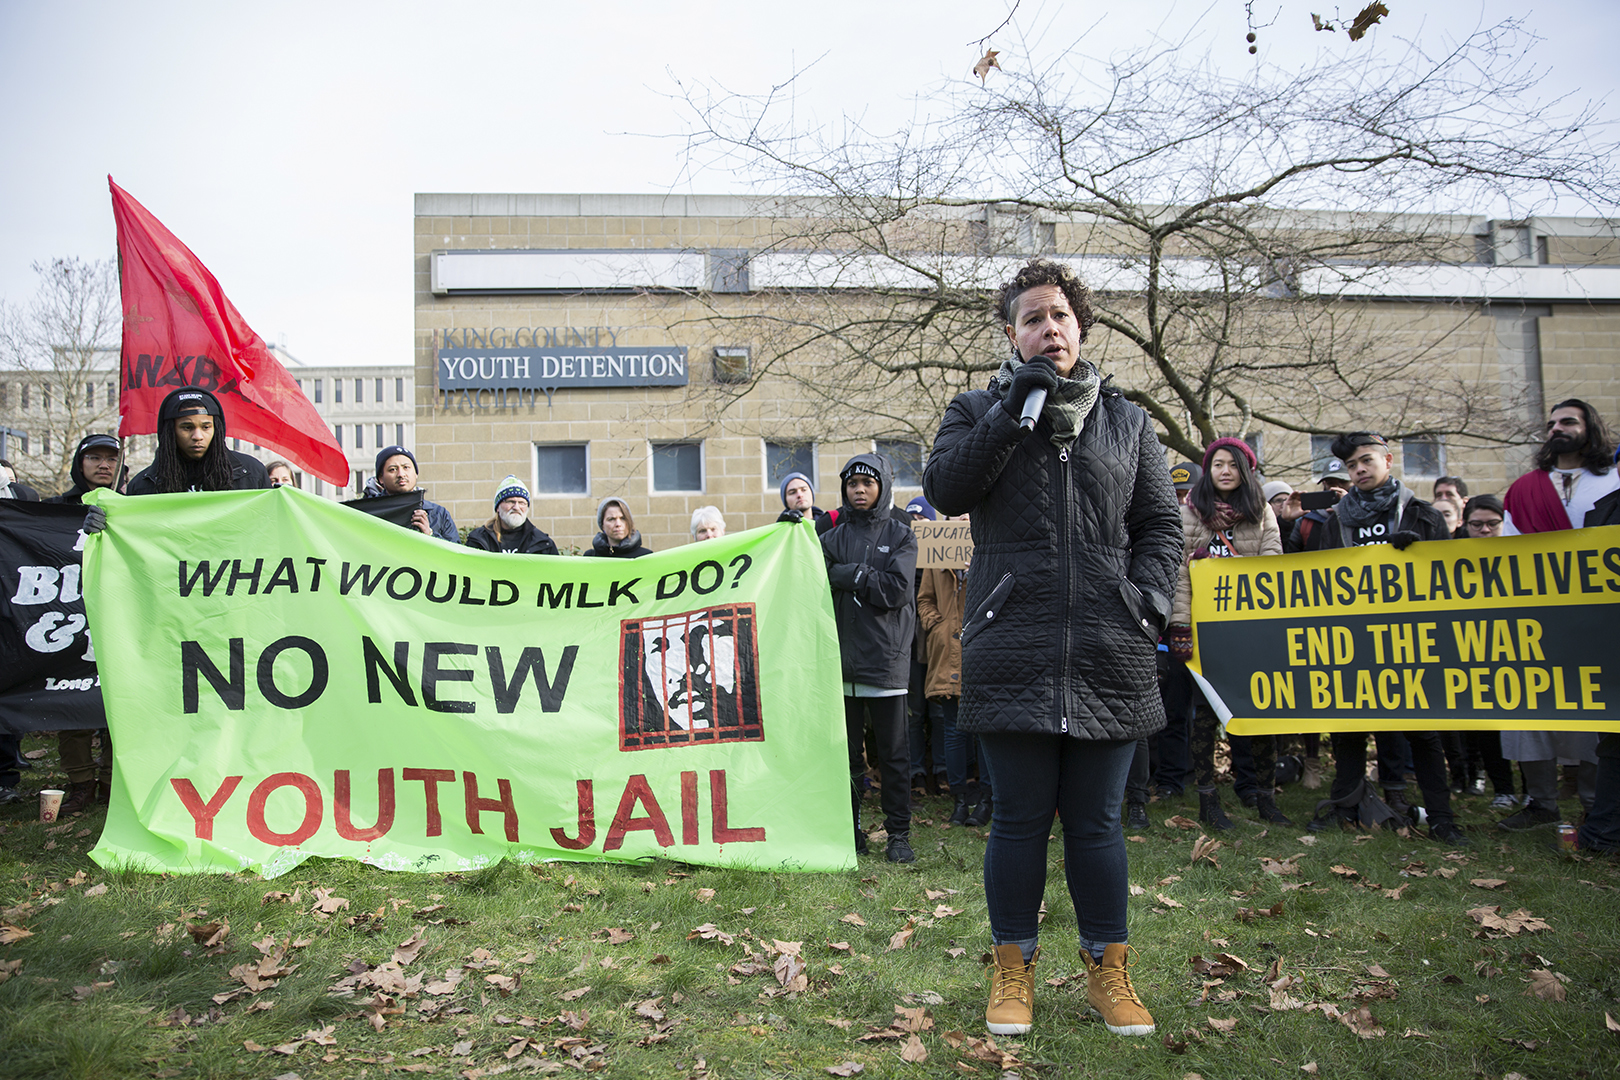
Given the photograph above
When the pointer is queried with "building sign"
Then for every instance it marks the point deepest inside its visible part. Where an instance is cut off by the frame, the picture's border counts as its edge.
(552, 359)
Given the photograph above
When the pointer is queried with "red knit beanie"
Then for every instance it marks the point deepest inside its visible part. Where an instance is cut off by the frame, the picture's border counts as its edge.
(1235, 445)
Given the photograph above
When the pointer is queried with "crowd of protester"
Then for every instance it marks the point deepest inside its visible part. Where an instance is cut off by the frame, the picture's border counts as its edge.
(1057, 661)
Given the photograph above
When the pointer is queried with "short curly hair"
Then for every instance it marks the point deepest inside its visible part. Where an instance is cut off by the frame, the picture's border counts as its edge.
(1040, 272)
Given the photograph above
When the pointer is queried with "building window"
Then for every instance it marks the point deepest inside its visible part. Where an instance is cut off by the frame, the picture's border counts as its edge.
(90, 395)
(561, 469)
(337, 429)
(905, 459)
(337, 391)
(1322, 459)
(1422, 459)
(320, 486)
(112, 394)
(399, 389)
(359, 391)
(784, 458)
(399, 434)
(46, 439)
(236, 444)
(359, 482)
(360, 437)
(318, 383)
(379, 431)
(25, 389)
(677, 466)
(379, 391)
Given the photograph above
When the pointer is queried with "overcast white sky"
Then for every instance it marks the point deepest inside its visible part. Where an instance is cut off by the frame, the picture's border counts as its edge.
(283, 142)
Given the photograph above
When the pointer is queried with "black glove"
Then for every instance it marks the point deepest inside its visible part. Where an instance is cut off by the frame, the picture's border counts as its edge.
(847, 575)
(792, 517)
(1404, 539)
(1037, 373)
(95, 520)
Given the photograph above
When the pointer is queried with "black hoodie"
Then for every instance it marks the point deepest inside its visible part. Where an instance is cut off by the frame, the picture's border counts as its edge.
(81, 484)
(871, 560)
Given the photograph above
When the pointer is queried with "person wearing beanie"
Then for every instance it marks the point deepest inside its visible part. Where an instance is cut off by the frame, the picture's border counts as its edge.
(1225, 516)
(1379, 509)
(799, 502)
(510, 530)
(871, 566)
(191, 451)
(617, 536)
(397, 475)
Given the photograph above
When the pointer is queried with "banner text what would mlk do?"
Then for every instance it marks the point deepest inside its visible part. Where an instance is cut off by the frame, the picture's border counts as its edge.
(285, 677)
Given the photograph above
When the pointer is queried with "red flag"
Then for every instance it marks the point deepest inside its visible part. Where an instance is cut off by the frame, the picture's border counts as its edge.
(180, 329)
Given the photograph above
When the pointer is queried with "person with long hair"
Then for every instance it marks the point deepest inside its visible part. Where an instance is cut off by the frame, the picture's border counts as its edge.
(617, 536)
(1225, 516)
(191, 451)
(1076, 543)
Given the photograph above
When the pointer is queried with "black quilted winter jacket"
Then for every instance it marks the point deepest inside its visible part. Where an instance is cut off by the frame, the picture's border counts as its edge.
(871, 561)
(1074, 563)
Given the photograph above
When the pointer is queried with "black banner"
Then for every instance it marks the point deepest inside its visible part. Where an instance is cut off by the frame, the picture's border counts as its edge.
(393, 508)
(48, 680)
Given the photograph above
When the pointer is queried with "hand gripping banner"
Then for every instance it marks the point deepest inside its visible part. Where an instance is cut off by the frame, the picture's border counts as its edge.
(1515, 633)
(285, 677)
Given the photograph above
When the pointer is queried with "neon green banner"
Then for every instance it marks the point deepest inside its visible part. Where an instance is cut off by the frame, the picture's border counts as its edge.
(1515, 633)
(285, 677)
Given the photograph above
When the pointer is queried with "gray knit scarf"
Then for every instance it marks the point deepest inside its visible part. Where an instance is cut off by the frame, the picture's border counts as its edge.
(1362, 508)
(1068, 407)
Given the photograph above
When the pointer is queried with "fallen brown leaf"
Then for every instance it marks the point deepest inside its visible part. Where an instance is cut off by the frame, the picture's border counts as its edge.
(1487, 882)
(853, 919)
(1179, 822)
(848, 1068)
(913, 1052)
(1546, 985)
(902, 937)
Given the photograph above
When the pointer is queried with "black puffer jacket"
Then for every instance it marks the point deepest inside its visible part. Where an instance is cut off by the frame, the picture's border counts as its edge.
(1074, 564)
(526, 539)
(871, 560)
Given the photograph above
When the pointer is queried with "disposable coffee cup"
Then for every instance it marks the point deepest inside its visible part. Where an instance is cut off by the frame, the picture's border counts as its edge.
(50, 804)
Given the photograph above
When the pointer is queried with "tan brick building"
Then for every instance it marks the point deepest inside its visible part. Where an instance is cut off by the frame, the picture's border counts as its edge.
(633, 289)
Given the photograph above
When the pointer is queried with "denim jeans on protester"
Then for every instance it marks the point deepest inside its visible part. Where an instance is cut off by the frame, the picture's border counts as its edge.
(961, 749)
(1172, 767)
(1037, 776)
(923, 732)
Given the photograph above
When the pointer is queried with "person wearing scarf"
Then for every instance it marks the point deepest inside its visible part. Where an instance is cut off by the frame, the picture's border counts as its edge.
(1379, 509)
(1225, 516)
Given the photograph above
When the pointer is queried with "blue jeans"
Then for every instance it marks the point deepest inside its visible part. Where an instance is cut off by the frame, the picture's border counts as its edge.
(923, 730)
(961, 749)
(1039, 776)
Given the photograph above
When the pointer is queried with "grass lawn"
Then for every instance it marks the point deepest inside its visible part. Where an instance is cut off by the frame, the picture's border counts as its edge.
(1255, 962)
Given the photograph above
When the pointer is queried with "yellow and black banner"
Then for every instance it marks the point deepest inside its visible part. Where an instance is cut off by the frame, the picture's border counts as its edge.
(1514, 633)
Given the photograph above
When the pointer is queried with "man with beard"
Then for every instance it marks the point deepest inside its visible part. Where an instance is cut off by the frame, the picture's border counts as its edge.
(191, 451)
(397, 475)
(1574, 470)
(510, 530)
(1379, 509)
(95, 465)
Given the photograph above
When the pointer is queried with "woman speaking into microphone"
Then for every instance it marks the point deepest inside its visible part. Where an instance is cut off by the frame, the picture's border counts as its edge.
(1077, 541)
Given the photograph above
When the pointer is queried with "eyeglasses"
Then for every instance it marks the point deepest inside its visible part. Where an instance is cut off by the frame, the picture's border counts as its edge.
(1485, 526)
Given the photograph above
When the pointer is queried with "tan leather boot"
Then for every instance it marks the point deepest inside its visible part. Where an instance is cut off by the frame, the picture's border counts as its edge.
(1110, 994)
(1012, 992)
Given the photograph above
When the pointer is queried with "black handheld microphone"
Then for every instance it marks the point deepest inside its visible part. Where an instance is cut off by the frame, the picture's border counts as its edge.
(1034, 402)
